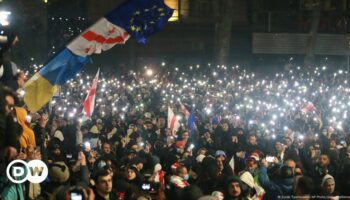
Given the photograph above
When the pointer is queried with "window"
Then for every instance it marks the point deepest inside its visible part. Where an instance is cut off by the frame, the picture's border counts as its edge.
(178, 5)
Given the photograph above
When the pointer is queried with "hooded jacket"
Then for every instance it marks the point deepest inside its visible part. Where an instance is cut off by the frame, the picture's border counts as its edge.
(275, 189)
(28, 137)
(248, 179)
(11, 191)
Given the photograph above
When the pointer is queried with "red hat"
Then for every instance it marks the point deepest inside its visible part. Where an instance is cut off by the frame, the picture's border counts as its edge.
(175, 165)
(180, 144)
(257, 152)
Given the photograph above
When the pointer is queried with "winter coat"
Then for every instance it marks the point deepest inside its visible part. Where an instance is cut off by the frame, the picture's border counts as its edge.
(275, 189)
(28, 137)
(11, 191)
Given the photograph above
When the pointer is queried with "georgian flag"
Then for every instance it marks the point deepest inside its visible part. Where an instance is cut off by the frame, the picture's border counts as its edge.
(173, 122)
(101, 36)
(89, 103)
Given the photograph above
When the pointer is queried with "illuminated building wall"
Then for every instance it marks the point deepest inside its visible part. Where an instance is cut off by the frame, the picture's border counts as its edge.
(181, 9)
(97, 9)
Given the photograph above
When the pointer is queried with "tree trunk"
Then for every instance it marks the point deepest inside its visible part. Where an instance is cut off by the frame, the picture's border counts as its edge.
(223, 12)
(309, 60)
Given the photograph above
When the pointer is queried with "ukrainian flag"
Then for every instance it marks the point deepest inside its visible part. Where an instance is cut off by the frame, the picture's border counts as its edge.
(136, 18)
(47, 82)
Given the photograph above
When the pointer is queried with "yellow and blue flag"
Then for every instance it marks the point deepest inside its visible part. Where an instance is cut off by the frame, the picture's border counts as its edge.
(136, 18)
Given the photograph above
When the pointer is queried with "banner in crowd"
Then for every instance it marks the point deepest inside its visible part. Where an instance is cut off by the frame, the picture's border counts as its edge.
(89, 103)
(173, 122)
(135, 18)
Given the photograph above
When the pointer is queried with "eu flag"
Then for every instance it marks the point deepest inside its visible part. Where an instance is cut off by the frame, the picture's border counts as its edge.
(141, 18)
(191, 122)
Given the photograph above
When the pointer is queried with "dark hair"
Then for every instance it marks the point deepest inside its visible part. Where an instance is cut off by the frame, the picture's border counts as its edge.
(99, 173)
(286, 172)
(305, 184)
(192, 192)
(106, 142)
(325, 154)
(251, 135)
(179, 169)
(182, 132)
(9, 92)
(133, 168)
(279, 141)
(141, 194)
(288, 138)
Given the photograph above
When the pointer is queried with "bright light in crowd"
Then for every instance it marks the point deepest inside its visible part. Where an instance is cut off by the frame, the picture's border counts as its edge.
(28, 118)
(4, 15)
(149, 72)
(21, 93)
(87, 144)
(208, 110)
(191, 146)
(178, 117)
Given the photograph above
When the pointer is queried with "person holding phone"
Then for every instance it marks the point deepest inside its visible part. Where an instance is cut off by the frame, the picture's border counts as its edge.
(281, 186)
(79, 193)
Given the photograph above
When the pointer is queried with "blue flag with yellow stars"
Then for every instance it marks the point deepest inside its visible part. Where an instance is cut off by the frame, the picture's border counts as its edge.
(141, 18)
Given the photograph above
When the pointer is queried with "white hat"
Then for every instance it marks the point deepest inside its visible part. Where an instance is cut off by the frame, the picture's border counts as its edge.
(255, 157)
(148, 115)
(325, 178)
(200, 158)
(157, 167)
(94, 130)
(248, 179)
(218, 195)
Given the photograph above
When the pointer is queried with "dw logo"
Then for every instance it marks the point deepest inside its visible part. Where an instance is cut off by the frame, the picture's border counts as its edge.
(35, 171)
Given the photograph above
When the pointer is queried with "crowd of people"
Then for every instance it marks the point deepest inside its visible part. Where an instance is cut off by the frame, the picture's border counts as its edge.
(279, 136)
(238, 135)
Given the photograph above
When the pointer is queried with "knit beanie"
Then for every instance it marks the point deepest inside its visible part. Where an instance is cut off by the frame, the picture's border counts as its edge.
(59, 172)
